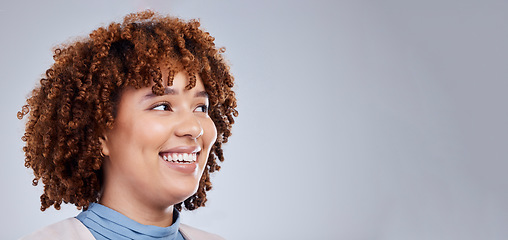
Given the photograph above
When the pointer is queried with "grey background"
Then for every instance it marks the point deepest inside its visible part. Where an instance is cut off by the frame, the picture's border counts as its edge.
(358, 119)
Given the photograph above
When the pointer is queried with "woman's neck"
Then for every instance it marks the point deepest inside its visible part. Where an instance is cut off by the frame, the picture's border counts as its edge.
(138, 210)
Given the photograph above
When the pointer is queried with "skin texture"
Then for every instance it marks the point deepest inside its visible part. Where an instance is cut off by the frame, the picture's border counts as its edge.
(77, 103)
(145, 127)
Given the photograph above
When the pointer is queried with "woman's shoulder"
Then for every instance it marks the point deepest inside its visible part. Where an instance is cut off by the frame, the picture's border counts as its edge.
(191, 233)
(70, 228)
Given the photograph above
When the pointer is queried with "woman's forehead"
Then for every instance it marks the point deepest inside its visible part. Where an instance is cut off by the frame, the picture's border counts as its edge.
(179, 85)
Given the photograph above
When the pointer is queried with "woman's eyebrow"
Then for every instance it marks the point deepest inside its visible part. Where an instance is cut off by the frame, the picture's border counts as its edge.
(201, 94)
(167, 91)
(171, 91)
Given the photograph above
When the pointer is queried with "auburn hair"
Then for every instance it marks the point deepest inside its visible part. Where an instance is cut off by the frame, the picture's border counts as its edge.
(75, 103)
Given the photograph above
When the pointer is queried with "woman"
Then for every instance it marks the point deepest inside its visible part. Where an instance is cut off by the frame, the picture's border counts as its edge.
(127, 125)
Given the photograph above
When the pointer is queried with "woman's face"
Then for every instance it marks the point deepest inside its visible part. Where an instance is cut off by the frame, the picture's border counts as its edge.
(159, 145)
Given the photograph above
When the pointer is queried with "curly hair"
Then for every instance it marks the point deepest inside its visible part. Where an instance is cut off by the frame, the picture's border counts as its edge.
(76, 100)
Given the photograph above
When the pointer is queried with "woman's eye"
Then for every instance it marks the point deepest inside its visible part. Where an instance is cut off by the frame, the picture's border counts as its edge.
(202, 108)
(162, 107)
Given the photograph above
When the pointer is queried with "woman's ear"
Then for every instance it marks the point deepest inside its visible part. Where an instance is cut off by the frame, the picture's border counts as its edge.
(104, 145)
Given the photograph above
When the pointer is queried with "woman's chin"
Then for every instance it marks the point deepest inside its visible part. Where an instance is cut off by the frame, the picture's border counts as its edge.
(181, 193)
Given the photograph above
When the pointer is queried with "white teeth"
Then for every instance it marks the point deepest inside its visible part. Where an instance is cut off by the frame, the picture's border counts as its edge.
(184, 158)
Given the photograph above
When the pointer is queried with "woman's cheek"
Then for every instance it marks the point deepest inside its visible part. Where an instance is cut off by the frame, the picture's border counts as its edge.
(211, 131)
(151, 128)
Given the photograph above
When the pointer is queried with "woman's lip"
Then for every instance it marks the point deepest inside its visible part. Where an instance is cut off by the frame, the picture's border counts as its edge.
(183, 149)
(186, 168)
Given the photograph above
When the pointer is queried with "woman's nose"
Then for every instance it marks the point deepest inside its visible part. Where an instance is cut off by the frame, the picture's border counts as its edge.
(189, 126)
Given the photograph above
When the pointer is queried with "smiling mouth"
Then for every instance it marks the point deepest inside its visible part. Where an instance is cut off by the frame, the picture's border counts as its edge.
(184, 158)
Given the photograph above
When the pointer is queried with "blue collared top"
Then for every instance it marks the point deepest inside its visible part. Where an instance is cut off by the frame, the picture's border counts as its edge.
(106, 223)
